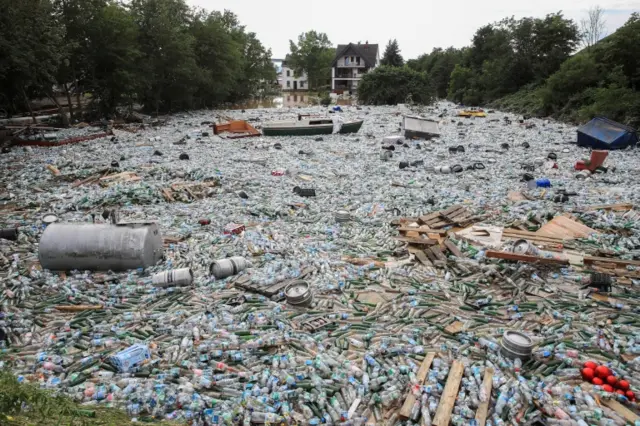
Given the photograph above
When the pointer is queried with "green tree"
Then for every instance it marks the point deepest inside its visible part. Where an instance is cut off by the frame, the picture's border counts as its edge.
(218, 54)
(30, 51)
(575, 75)
(392, 55)
(168, 62)
(312, 54)
(461, 81)
(112, 59)
(387, 85)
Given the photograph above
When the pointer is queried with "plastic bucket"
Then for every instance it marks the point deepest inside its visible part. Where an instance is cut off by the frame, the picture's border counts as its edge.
(224, 268)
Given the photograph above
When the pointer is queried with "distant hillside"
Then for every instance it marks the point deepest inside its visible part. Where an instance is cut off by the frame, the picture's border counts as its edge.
(601, 80)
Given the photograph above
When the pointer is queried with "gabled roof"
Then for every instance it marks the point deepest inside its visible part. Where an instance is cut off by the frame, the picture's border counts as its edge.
(368, 52)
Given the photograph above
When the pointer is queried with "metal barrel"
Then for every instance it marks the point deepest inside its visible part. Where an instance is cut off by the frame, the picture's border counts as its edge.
(100, 247)
(9, 234)
(516, 345)
(173, 278)
(224, 268)
(299, 293)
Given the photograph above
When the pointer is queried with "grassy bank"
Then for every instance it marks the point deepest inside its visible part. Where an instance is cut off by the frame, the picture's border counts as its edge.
(26, 404)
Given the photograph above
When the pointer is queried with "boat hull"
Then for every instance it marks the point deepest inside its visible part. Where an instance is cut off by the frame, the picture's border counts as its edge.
(352, 127)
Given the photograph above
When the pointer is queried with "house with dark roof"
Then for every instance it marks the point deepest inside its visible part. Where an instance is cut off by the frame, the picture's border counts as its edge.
(352, 61)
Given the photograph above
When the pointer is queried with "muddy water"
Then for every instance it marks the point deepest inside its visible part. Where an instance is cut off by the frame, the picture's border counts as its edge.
(286, 100)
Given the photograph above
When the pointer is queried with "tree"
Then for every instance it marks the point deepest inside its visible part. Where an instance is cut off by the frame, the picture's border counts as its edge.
(593, 27)
(388, 85)
(113, 76)
(313, 54)
(392, 55)
(168, 59)
(30, 51)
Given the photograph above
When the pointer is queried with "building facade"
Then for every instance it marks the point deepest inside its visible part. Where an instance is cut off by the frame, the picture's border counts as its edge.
(351, 63)
(289, 81)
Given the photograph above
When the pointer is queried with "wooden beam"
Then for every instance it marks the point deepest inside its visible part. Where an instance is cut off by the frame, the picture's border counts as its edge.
(438, 253)
(454, 328)
(410, 240)
(449, 395)
(423, 258)
(524, 258)
(628, 415)
(405, 411)
(453, 248)
(483, 408)
(593, 259)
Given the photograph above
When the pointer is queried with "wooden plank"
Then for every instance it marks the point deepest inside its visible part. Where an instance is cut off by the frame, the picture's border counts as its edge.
(483, 408)
(438, 253)
(593, 259)
(422, 230)
(422, 258)
(562, 226)
(524, 258)
(614, 207)
(454, 328)
(627, 414)
(410, 240)
(451, 209)
(449, 395)
(429, 217)
(405, 411)
(453, 248)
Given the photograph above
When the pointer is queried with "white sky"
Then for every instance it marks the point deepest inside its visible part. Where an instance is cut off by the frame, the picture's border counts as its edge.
(418, 25)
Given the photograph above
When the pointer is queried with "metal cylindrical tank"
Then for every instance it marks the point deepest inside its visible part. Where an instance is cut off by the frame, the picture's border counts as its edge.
(100, 247)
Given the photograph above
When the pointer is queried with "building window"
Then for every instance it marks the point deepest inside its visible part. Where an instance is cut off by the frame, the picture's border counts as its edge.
(288, 73)
(301, 84)
(288, 84)
(352, 59)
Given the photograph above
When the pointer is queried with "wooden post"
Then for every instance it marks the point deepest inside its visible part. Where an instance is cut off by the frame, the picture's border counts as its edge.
(483, 409)
(405, 411)
(449, 395)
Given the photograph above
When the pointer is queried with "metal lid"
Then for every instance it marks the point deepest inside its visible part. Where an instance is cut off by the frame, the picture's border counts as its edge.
(518, 339)
(296, 289)
(49, 218)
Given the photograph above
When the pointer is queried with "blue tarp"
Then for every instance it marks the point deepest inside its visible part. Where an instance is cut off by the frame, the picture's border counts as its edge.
(602, 133)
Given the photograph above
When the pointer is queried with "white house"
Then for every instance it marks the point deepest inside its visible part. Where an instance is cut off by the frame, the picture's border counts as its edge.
(352, 61)
(288, 80)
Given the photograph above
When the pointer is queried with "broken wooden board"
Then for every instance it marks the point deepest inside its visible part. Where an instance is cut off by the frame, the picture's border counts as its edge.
(422, 258)
(623, 411)
(622, 207)
(405, 411)
(566, 228)
(454, 215)
(449, 395)
(422, 241)
(525, 258)
(487, 236)
(453, 248)
(483, 408)
(454, 328)
(187, 192)
(588, 260)
(516, 234)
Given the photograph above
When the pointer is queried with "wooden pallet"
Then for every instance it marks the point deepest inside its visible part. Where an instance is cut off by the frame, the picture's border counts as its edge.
(456, 215)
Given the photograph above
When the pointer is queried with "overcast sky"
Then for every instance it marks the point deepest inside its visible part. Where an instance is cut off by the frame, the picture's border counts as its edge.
(418, 25)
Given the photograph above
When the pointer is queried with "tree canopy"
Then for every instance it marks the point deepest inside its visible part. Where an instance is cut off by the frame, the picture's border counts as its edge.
(312, 54)
(388, 85)
(158, 53)
(392, 55)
